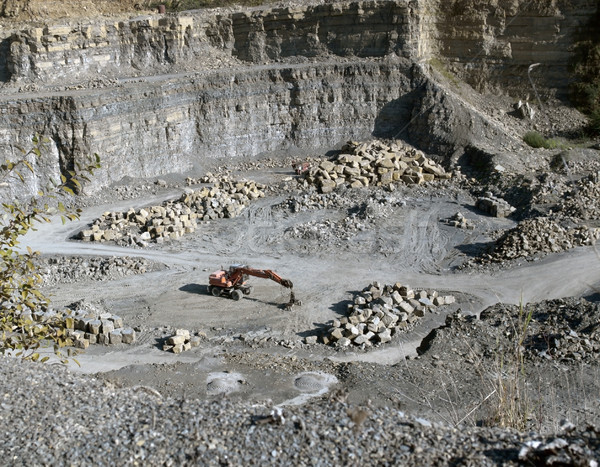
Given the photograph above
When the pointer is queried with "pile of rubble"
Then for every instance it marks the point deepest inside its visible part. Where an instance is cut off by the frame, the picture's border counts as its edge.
(539, 235)
(312, 201)
(173, 219)
(564, 330)
(460, 221)
(379, 312)
(582, 200)
(89, 325)
(76, 268)
(359, 219)
(182, 340)
(374, 163)
(494, 206)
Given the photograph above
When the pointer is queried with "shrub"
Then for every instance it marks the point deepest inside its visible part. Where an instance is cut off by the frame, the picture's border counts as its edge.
(26, 323)
(536, 140)
(594, 123)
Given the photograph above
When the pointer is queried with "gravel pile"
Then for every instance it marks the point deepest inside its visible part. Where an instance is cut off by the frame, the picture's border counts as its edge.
(565, 330)
(582, 201)
(381, 311)
(539, 235)
(173, 219)
(374, 163)
(68, 269)
(327, 231)
(360, 217)
(50, 416)
(312, 201)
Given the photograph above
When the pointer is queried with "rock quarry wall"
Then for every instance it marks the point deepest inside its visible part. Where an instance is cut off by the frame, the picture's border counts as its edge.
(165, 93)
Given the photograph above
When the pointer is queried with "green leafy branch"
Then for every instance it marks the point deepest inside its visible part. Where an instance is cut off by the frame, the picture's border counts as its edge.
(26, 322)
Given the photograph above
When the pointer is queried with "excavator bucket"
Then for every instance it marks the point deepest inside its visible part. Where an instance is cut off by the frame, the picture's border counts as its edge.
(293, 301)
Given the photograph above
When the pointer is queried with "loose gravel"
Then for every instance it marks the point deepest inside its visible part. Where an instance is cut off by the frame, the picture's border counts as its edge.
(50, 416)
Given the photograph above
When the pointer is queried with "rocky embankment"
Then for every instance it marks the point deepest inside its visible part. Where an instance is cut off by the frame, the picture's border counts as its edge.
(140, 426)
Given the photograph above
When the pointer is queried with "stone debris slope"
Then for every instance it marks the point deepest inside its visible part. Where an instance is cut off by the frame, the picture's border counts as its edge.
(539, 235)
(562, 330)
(50, 416)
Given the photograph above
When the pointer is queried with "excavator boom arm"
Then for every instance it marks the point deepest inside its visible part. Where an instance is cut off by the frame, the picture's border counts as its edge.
(265, 274)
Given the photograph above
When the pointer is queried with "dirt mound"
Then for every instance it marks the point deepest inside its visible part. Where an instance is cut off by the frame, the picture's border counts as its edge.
(565, 330)
(540, 235)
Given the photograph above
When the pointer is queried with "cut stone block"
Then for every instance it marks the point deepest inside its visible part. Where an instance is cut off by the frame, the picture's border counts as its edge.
(128, 335)
(384, 336)
(115, 337)
(195, 341)
(92, 338)
(337, 334)
(82, 343)
(94, 326)
(360, 339)
(344, 342)
(176, 340)
(107, 326)
(117, 320)
(183, 332)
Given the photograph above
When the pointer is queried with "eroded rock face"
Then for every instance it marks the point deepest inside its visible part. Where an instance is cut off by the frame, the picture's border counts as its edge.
(491, 44)
(229, 83)
(155, 44)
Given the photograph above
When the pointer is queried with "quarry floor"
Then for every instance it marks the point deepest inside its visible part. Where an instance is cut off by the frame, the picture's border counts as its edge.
(404, 243)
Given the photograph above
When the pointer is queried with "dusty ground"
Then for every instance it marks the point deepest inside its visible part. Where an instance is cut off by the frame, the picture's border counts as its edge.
(253, 350)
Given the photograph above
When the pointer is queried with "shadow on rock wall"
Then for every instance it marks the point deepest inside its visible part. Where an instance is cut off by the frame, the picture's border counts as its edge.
(4, 53)
(393, 120)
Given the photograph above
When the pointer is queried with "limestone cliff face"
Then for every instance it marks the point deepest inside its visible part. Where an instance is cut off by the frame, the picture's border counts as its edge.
(222, 83)
(171, 125)
(490, 44)
(152, 45)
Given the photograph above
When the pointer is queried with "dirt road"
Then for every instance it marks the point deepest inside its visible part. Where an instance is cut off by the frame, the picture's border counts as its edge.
(417, 248)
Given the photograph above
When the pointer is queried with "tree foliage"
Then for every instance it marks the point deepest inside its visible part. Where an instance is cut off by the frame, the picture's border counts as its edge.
(26, 321)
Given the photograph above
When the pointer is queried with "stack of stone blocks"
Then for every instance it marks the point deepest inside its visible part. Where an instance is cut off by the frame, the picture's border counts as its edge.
(381, 311)
(90, 328)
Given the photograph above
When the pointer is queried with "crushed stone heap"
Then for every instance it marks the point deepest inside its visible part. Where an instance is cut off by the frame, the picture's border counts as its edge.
(76, 268)
(582, 200)
(374, 163)
(380, 311)
(540, 235)
(173, 219)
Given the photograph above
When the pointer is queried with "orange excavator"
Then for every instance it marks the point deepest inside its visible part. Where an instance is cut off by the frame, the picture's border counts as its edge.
(233, 282)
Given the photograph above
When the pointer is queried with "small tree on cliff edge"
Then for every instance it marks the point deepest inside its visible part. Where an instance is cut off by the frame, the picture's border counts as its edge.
(26, 321)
